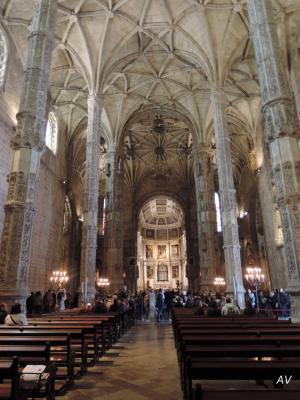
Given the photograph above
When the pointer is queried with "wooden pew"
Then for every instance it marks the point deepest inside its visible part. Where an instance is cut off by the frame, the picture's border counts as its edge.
(239, 370)
(9, 370)
(245, 394)
(234, 352)
(96, 327)
(219, 342)
(60, 352)
(109, 329)
(78, 340)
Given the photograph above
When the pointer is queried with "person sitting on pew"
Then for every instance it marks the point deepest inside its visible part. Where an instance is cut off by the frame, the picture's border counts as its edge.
(16, 317)
(100, 307)
(3, 313)
(229, 308)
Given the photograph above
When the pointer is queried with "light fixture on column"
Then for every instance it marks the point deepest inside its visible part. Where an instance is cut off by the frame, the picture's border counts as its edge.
(59, 278)
(255, 278)
(103, 283)
(219, 282)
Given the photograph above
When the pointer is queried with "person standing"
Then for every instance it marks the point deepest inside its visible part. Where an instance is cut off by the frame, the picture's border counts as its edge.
(160, 302)
(38, 303)
(3, 313)
(152, 305)
(30, 301)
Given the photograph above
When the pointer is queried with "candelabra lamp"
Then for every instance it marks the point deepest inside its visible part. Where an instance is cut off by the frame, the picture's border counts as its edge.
(59, 279)
(219, 282)
(255, 279)
(103, 284)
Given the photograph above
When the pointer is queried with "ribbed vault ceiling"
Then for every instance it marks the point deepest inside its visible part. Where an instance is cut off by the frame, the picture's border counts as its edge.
(140, 54)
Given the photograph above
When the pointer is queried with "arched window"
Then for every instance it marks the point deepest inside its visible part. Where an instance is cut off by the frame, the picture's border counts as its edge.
(218, 212)
(104, 215)
(51, 132)
(162, 273)
(3, 57)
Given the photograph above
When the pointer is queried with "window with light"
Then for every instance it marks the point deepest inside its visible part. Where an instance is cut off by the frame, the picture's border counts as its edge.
(218, 212)
(3, 57)
(51, 132)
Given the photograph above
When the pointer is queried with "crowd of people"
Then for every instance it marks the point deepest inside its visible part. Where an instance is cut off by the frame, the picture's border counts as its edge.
(152, 305)
(51, 301)
(158, 303)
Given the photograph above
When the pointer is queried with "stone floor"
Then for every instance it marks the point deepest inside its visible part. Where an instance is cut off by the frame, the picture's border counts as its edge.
(142, 365)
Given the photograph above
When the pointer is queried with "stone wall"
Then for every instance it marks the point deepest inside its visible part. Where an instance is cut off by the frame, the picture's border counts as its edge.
(46, 244)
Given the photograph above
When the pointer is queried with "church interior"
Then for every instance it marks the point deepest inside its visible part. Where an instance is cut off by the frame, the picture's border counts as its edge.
(149, 155)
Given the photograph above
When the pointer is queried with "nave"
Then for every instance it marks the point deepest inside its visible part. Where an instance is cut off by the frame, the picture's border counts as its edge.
(142, 365)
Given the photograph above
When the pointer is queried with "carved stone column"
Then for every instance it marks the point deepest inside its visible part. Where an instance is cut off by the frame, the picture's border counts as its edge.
(113, 233)
(206, 214)
(234, 279)
(281, 133)
(90, 201)
(27, 145)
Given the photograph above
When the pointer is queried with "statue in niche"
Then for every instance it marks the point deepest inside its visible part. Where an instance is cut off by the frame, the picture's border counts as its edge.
(175, 250)
(149, 272)
(149, 251)
(175, 271)
(162, 251)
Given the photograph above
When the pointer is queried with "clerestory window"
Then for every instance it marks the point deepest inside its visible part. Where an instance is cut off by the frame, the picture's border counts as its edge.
(218, 212)
(51, 132)
(3, 57)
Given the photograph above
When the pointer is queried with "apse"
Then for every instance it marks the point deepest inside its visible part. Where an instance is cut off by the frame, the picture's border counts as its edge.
(161, 244)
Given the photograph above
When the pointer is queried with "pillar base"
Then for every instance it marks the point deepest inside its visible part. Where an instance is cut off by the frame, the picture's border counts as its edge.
(12, 296)
(90, 297)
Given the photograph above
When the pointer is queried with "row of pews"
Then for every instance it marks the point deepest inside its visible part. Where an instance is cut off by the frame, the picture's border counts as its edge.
(67, 343)
(237, 357)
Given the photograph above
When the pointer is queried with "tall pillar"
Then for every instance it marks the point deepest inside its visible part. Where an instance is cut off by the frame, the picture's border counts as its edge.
(206, 214)
(27, 146)
(233, 269)
(113, 233)
(90, 201)
(281, 128)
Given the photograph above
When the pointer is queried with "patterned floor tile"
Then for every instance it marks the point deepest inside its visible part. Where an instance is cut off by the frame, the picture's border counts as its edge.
(142, 366)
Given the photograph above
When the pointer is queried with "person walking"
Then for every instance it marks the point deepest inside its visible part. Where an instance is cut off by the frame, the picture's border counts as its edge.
(160, 302)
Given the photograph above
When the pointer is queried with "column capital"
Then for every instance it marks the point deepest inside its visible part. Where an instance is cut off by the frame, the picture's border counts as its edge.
(202, 148)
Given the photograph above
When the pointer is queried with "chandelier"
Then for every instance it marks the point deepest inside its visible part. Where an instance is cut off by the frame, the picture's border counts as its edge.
(103, 282)
(219, 282)
(59, 278)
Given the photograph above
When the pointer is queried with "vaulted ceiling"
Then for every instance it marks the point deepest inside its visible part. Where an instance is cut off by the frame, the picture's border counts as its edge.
(143, 55)
(161, 212)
